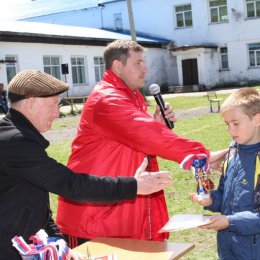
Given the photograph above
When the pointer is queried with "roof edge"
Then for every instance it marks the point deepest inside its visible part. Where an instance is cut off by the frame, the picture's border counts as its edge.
(7, 36)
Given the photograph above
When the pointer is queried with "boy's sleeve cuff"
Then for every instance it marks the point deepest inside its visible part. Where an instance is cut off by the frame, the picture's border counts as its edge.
(231, 223)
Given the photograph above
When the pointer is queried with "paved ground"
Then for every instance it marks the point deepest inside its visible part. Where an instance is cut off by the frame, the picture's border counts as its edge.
(66, 109)
(202, 93)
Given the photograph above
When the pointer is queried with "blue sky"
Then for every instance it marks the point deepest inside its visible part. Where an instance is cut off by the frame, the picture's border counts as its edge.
(19, 9)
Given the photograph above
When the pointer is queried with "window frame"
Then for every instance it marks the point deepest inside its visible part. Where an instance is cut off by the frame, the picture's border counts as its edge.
(11, 66)
(183, 13)
(77, 69)
(52, 68)
(217, 8)
(254, 53)
(255, 10)
(118, 21)
(222, 55)
(99, 67)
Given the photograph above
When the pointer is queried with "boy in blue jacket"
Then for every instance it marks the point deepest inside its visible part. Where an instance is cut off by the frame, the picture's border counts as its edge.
(238, 193)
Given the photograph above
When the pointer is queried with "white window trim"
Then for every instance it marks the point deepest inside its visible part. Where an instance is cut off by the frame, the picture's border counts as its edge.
(175, 16)
(255, 16)
(51, 65)
(255, 56)
(85, 70)
(15, 65)
(99, 67)
(219, 21)
(223, 54)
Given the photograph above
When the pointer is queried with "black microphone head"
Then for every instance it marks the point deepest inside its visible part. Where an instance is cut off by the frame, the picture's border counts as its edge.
(154, 89)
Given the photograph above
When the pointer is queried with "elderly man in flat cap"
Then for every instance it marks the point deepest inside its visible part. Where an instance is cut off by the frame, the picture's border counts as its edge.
(27, 174)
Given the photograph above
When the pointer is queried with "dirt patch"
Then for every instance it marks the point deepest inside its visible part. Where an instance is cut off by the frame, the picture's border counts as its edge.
(69, 133)
(190, 113)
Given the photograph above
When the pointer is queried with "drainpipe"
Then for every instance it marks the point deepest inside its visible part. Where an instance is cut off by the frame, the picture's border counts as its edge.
(101, 11)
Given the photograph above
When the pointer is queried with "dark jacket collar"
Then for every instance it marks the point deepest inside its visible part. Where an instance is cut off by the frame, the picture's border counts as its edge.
(25, 126)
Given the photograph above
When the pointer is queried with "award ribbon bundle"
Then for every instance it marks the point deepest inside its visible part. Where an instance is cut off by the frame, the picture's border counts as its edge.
(43, 247)
(200, 167)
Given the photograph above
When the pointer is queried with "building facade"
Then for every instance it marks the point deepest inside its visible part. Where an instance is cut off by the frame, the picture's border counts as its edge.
(214, 42)
(73, 54)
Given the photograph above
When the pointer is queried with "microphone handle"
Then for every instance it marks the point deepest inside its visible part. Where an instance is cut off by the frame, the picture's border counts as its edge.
(160, 103)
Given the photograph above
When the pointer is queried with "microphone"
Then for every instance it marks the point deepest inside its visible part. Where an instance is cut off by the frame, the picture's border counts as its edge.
(156, 92)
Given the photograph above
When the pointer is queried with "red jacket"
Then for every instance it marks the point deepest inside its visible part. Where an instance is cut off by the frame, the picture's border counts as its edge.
(114, 136)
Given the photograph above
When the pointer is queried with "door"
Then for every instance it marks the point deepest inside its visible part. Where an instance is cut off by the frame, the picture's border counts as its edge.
(190, 72)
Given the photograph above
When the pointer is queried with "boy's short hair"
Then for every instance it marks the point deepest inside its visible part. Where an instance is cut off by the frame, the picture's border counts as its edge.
(248, 99)
(119, 50)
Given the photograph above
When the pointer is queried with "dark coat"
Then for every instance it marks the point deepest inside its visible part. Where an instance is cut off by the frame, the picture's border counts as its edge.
(3, 102)
(27, 175)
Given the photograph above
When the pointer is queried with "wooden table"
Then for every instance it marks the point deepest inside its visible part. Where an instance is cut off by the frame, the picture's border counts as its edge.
(129, 249)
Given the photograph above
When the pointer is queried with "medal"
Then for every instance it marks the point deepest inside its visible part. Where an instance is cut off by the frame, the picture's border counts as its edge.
(200, 168)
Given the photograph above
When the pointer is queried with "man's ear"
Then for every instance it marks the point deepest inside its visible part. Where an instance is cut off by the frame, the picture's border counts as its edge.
(116, 66)
(257, 119)
(30, 104)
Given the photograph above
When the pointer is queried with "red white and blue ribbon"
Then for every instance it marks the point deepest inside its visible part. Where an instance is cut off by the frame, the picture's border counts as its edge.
(199, 165)
(47, 248)
(195, 161)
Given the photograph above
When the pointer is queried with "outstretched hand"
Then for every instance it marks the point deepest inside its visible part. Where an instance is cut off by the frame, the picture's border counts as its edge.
(216, 159)
(150, 182)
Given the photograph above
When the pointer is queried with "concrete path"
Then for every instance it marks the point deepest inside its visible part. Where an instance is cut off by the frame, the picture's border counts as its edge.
(202, 93)
(67, 109)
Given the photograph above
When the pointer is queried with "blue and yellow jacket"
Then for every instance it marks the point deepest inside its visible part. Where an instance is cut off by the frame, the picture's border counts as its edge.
(238, 197)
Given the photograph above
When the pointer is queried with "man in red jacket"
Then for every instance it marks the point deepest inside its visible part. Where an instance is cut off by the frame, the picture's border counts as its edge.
(116, 132)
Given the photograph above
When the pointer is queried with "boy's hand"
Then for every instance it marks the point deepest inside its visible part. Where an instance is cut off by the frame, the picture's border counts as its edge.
(203, 202)
(217, 223)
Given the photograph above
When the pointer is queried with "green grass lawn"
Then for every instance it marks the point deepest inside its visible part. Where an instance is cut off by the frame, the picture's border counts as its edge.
(208, 129)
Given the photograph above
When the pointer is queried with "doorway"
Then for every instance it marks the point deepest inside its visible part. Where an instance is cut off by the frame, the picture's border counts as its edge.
(190, 72)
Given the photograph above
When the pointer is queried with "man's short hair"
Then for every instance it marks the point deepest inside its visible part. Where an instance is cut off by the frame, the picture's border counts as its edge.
(119, 50)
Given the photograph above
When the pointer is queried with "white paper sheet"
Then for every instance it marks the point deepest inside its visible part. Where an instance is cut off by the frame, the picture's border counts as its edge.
(185, 221)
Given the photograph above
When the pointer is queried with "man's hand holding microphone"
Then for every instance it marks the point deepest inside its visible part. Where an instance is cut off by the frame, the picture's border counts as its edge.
(163, 112)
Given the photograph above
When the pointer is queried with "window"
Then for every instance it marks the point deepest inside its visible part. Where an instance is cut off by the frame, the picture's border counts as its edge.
(99, 68)
(218, 11)
(118, 21)
(51, 65)
(78, 70)
(253, 8)
(254, 54)
(11, 68)
(224, 58)
(183, 16)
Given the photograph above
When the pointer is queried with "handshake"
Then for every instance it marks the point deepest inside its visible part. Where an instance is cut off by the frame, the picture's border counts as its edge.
(150, 182)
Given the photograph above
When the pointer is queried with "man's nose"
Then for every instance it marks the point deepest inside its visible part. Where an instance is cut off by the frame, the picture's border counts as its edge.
(145, 69)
